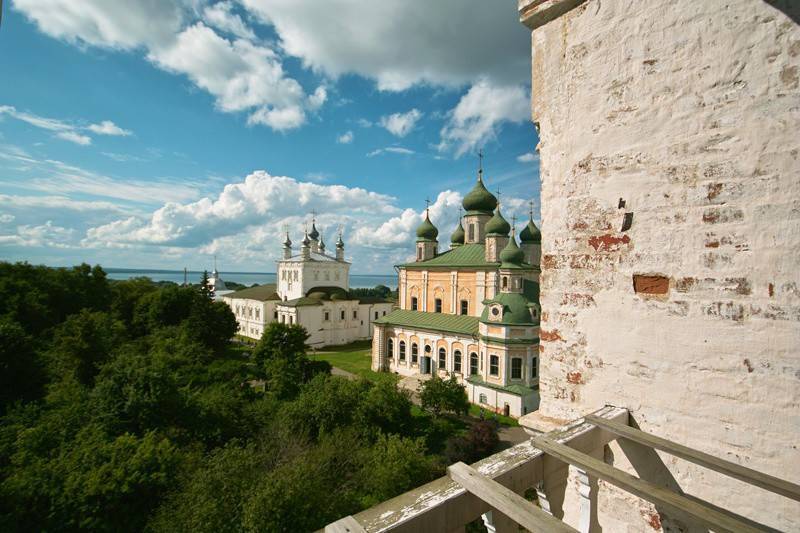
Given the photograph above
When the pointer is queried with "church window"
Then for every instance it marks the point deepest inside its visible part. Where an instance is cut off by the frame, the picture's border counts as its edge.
(482, 398)
(402, 350)
(505, 282)
(258, 314)
(442, 358)
(516, 368)
(342, 315)
(471, 232)
(414, 352)
(419, 254)
(355, 315)
(327, 316)
(291, 319)
(250, 312)
(435, 250)
(438, 303)
(390, 349)
(413, 303)
(494, 365)
(464, 307)
(283, 274)
(534, 367)
(384, 313)
(283, 319)
(457, 361)
(473, 364)
(275, 315)
(296, 275)
(376, 315)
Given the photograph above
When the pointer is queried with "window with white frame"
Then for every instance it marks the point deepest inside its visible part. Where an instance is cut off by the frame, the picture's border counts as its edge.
(402, 350)
(516, 368)
(457, 361)
(442, 358)
(494, 365)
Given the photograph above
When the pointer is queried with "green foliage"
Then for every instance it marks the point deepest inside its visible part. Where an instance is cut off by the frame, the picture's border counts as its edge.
(479, 442)
(444, 395)
(125, 407)
(205, 290)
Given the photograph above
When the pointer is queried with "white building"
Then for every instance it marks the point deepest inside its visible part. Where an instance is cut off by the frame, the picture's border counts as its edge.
(313, 290)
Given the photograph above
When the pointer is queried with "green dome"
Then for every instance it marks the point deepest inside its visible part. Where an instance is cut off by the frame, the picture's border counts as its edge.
(516, 309)
(427, 231)
(479, 199)
(530, 233)
(497, 225)
(511, 254)
(457, 238)
(314, 233)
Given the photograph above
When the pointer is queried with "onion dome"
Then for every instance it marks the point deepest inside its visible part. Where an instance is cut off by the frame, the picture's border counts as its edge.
(511, 256)
(530, 233)
(288, 242)
(314, 233)
(427, 231)
(306, 240)
(498, 225)
(479, 199)
(457, 238)
(340, 242)
(321, 245)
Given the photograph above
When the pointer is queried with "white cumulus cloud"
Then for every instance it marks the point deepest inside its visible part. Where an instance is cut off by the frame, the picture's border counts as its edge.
(345, 138)
(480, 113)
(528, 157)
(107, 127)
(401, 124)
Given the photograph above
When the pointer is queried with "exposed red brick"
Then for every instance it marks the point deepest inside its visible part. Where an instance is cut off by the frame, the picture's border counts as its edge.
(549, 261)
(652, 284)
(771, 290)
(713, 190)
(575, 378)
(684, 284)
(748, 365)
(608, 243)
(549, 336)
(654, 520)
(716, 215)
(712, 244)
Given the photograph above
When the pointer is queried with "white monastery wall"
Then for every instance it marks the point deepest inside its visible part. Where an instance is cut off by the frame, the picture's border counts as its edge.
(689, 112)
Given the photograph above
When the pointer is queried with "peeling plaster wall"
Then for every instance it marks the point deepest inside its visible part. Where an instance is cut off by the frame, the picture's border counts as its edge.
(689, 111)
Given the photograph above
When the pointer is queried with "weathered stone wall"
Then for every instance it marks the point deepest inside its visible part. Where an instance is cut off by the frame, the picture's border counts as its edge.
(688, 113)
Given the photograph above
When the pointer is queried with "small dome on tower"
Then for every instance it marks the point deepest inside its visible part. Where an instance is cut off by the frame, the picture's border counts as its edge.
(498, 225)
(427, 231)
(306, 240)
(511, 254)
(530, 233)
(314, 233)
(340, 242)
(479, 198)
(287, 243)
(457, 238)
(321, 245)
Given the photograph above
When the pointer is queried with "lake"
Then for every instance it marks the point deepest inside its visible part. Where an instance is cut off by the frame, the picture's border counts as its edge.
(357, 281)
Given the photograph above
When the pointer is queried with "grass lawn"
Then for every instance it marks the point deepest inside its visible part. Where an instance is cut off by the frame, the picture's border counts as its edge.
(355, 358)
(475, 412)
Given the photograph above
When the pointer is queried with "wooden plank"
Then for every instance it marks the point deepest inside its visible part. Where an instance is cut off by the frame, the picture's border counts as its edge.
(348, 524)
(651, 492)
(748, 475)
(506, 501)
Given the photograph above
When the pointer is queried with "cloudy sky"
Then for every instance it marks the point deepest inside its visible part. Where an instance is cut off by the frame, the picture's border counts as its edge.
(157, 133)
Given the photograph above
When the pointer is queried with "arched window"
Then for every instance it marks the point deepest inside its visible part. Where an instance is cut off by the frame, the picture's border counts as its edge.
(457, 361)
(442, 358)
(494, 365)
(402, 350)
(414, 352)
(390, 349)
(516, 368)
(505, 282)
(473, 364)
(471, 232)
(413, 303)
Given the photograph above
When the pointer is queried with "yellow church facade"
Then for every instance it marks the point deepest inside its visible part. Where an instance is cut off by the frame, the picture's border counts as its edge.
(471, 311)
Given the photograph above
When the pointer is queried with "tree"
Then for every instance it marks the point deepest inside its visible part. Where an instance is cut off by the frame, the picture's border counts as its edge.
(205, 288)
(281, 357)
(443, 395)
(21, 372)
(479, 442)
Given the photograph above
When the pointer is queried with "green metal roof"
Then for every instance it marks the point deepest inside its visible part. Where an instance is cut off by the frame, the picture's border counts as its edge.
(479, 198)
(462, 324)
(516, 309)
(465, 256)
(301, 302)
(498, 225)
(519, 390)
(262, 292)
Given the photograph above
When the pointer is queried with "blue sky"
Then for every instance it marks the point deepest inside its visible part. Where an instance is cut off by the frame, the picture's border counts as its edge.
(156, 134)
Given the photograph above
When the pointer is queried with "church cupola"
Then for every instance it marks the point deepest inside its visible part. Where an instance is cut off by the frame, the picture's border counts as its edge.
(321, 246)
(313, 235)
(287, 247)
(340, 248)
(457, 237)
(496, 236)
(478, 204)
(427, 245)
(530, 239)
(512, 265)
(305, 250)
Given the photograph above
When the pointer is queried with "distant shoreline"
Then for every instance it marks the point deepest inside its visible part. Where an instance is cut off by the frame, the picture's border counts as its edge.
(222, 272)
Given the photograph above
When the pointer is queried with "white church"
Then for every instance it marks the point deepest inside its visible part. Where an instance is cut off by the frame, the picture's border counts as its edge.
(312, 290)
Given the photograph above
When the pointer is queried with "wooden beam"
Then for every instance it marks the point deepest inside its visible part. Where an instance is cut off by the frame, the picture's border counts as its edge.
(748, 475)
(347, 524)
(506, 501)
(651, 492)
